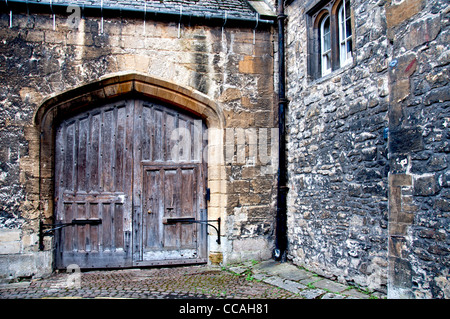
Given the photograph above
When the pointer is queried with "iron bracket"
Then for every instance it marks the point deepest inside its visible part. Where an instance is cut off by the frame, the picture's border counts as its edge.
(191, 220)
(49, 232)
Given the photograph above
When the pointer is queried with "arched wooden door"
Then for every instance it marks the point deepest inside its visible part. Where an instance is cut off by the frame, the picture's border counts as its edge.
(137, 168)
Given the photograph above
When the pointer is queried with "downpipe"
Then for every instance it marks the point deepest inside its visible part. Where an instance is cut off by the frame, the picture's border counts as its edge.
(280, 251)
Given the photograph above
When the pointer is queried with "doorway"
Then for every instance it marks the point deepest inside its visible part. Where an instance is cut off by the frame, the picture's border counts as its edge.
(132, 175)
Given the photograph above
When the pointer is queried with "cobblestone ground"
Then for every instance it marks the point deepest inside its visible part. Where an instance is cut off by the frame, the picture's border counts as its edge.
(193, 282)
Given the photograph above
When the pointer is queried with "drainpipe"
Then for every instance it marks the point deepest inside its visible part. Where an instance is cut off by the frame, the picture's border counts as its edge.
(282, 189)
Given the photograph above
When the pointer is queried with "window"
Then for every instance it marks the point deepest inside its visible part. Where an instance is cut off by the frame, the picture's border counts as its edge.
(330, 43)
(325, 45)
(345, 34)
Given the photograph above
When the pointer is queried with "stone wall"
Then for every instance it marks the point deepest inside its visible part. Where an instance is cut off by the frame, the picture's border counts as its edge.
(338, 211)
(230, 66)
(419, 116)
(368, 151)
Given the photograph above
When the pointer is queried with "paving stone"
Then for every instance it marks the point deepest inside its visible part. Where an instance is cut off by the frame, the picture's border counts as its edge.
(312, 279)
(331, 295)
(274, 280)
(259, 276)
(355, 294)
(292, 286)
(238, 270)
(312, 293)
(330, 285)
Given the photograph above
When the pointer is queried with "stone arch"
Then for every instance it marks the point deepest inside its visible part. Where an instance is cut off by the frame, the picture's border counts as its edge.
(117, 86)
(109, 88)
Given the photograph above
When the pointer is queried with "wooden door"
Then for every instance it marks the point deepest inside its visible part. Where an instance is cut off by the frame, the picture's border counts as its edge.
(169, 185)
(123, 164)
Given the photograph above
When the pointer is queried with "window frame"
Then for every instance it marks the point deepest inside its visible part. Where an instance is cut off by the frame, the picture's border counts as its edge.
(344, 39)
(316, 13)
(325, 54)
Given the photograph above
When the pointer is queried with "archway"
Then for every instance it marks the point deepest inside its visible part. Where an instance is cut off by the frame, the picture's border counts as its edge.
(112, 94)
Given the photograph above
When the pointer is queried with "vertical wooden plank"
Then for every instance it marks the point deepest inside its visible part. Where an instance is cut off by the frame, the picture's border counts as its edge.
(119, 185)
(106, 226)
(187, 206)
(171, 232)
(137, 178)
(83, 127)
(94, 152)
(69, 158)
(94, 213)
(158, 151)
(118, 226)
(197, 137)
(169, 126)
(137, 154)
(59, 172)
(152, 196)
(129, 217)
(81, 229)
(68, 235)
(147, 132)
(107, 151)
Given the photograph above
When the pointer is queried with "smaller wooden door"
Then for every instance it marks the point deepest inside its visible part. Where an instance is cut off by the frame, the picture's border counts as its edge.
(169, 195)
(170, 183)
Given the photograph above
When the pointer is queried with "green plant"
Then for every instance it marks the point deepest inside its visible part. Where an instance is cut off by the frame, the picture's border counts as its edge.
(311, 286)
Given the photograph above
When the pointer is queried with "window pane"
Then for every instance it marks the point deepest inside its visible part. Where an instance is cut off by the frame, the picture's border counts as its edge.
(328, 58)
(349, 47)
(326, 43)
(347, 9)
(326, 35)
(348, 28)
(326, 25)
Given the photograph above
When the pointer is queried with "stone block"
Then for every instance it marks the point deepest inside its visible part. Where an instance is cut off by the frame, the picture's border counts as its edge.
(405, 140)
(240, 186)
(38, 264)
(397, 13)
(398, 180)
(422, 31)
(230, 94)
(254, 65)
(400, 90)
(425, 185)
(437, 96)
(442, 204)
(216, 258)
(10, 241)
(406, 65)
(400, 272)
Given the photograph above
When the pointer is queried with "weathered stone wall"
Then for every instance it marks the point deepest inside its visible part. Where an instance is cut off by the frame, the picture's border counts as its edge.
(419, 115)
(337, 215)
(231, 66)
(368, 151)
